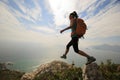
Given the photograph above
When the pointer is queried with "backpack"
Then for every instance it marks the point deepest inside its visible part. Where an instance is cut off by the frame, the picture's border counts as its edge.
(81, 28)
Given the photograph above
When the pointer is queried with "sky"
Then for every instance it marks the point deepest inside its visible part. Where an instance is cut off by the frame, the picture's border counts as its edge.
(32, 28)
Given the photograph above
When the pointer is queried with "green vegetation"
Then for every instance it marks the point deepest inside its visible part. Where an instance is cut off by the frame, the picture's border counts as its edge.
(10, 75)
(110, 70)
(67, 74)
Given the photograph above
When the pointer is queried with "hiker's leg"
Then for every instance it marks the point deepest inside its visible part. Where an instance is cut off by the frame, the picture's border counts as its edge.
(75, 47)
(83, 54)
(68, 46)
(67, 49)
(90, 59)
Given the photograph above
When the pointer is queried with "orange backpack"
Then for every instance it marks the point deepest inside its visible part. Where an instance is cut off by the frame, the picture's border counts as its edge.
(81, 27)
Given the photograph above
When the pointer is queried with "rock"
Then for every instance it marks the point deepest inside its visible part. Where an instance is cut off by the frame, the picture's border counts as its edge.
(28, 76)
(4, 65)
(92, 72)
(54, 66)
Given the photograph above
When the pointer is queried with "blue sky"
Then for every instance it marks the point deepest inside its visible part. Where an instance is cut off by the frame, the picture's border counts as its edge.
(39, 22)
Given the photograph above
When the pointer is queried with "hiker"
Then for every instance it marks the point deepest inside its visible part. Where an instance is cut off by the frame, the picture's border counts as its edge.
(74, 39)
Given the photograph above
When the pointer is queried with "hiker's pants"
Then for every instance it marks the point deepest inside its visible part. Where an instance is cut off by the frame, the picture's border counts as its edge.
(74, 43)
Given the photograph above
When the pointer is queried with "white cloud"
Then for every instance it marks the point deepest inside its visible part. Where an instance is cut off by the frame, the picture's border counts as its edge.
(6, 1)
(61, 9)
(5, 16)
(105, 23)
(20, 4)
(29, 13)
(12, 29)
(91, 9)
(19, 15)
(43, 29)
(36, 12)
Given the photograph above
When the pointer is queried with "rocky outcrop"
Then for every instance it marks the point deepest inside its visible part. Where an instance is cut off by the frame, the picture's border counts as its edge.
(58, 69)
(52, 67)
(92, 72)
(4, 65)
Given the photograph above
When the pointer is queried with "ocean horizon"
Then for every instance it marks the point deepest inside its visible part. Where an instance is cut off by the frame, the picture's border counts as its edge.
(27, 57)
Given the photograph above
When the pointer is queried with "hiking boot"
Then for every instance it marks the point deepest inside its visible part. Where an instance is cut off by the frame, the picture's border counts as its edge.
(64, 56)
(90, 60)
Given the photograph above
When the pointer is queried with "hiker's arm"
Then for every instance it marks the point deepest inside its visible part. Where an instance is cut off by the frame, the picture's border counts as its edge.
(71, 24)
(65, 29)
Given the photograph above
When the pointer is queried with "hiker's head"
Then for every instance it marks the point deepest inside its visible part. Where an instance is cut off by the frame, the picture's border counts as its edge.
(73, 15)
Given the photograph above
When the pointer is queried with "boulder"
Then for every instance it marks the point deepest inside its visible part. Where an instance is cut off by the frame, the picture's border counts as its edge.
(92, 72)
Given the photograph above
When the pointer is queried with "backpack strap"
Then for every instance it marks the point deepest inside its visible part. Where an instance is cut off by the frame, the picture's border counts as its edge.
(82, 36)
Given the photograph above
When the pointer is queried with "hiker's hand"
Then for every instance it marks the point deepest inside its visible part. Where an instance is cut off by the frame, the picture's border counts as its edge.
(61, 31)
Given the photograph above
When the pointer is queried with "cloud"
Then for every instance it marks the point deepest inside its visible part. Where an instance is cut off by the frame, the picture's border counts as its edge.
(15, 30)
(6, 15)
(102, 17)
(12, 29)
(61, 9)
(43, 29)
(105, 23)
(30, 12)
